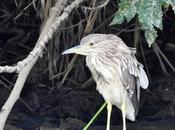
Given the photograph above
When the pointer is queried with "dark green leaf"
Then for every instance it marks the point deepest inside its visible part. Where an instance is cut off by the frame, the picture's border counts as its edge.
(150, 15)
(118, 19)
(132, 10)
(127, 9)
(150, 36)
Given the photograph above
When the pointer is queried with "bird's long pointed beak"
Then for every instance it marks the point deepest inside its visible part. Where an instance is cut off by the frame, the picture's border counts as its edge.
(75, 49)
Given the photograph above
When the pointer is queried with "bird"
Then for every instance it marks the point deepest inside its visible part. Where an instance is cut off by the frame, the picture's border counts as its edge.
(116, 71)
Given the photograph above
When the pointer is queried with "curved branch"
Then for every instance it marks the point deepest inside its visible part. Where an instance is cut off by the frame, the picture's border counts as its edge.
(50, 27)
(24, 67)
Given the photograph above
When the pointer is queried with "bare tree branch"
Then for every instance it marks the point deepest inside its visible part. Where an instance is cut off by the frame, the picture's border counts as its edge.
(50, 27)
(24, 67)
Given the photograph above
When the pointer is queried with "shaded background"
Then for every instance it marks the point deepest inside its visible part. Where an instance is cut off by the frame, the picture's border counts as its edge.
(59, 92)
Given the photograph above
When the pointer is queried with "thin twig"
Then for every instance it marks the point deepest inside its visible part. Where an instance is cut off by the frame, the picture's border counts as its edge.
(25, 8)
(20, 99)
(160, 60)
(106, 20)
(72, 26)
(95, 116)
(136, 34)
(164, 57)
(99, 7)
(69, 68)
(87, 84)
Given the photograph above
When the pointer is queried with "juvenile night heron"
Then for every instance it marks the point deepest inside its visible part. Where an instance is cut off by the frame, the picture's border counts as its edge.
(117, 72)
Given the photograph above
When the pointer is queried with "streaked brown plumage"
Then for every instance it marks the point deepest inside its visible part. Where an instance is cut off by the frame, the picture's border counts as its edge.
(116, 71)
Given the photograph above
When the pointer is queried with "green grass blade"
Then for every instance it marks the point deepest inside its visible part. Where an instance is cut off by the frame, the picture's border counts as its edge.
(95, 116)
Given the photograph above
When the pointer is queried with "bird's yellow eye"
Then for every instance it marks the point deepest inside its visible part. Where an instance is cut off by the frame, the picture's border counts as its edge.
(91, 44)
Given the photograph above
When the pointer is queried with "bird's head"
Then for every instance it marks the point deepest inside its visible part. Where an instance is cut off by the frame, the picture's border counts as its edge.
(93, 44)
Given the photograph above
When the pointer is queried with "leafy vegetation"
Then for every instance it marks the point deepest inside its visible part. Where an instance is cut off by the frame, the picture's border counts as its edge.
(149, 14)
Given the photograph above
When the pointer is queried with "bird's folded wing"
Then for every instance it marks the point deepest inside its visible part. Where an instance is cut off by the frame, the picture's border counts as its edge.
(133, 76)
(130, 82)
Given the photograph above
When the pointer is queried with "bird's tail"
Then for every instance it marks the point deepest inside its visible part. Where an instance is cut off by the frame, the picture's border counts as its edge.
(143, 79)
